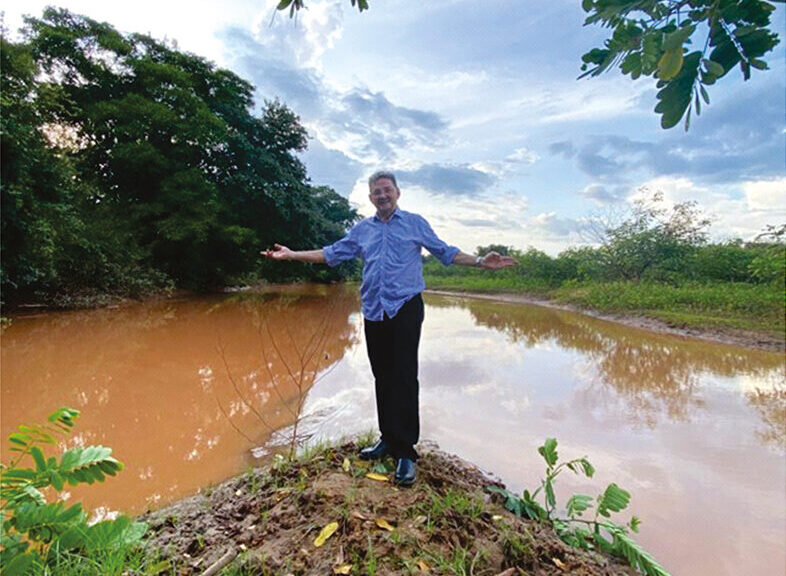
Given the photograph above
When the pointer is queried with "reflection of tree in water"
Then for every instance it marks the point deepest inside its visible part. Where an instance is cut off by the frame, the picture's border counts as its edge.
(301, 333)
(770, 403)
(146, 374)
(652, 372)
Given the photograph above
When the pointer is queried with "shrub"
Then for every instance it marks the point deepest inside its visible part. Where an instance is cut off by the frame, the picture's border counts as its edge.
(35, 532)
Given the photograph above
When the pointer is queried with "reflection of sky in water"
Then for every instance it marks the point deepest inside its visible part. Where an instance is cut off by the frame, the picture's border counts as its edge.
(669, 420)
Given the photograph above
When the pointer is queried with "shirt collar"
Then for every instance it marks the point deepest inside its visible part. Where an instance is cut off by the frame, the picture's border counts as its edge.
(396, 214)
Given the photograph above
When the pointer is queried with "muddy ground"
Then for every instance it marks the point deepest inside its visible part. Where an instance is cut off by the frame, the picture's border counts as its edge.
(447, 523)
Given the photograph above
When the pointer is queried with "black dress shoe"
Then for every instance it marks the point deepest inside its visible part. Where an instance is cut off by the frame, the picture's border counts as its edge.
(405, 472)
(375, 452)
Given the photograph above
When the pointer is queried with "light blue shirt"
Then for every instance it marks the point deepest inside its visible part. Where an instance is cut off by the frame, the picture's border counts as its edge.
(392, 267)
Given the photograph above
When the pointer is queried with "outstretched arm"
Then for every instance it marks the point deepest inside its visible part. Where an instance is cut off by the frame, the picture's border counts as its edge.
(281, 252)
(491, 261)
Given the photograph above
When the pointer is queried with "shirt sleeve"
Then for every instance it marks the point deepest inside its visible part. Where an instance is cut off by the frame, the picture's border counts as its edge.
(345, 249)
(431, 242)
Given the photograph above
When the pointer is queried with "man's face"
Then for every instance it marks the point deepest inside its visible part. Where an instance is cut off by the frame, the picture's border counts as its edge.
(384, 195)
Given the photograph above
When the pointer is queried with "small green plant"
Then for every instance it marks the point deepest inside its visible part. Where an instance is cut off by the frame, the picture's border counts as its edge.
(371, 559)
(36, 534)
(600, 532)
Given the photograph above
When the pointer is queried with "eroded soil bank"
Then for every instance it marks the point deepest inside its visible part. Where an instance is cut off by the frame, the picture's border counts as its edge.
(447, 523)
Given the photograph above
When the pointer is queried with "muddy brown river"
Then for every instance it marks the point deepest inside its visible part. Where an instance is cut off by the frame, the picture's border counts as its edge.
(190, 391)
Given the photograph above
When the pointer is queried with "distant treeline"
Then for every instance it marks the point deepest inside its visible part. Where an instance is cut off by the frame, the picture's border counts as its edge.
(651, 244)
(129, 166)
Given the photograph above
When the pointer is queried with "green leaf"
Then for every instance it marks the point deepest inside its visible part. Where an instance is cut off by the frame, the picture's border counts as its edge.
(14, 475)
(614, 499)
(704, 95)
(586, 5)
(673, 41)
(713, 67)
(589, 469)
(634, 523)
(551, 499)
(34, 494)
(19, 565)
(56, 480)
(18, 438)
(283, 4)
(134, 533)
(636, 556)
(38, 456)
(88, 464)
(577, 504)
(670, 64)
(675, 95)
(64, 416)
(549, 451)
(512, 502)
(72, 538)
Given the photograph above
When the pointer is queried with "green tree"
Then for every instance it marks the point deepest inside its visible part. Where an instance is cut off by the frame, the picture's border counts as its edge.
(654, 243)
(127, 162)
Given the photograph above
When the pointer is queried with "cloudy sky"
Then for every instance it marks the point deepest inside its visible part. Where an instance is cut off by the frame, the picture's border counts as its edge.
(477, 108)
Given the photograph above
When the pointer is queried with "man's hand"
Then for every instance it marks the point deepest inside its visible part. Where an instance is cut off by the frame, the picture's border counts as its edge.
(279, 252)
(495, 261)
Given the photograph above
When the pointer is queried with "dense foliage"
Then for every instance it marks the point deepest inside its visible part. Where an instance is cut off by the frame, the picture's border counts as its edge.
(651, 243)
(129, 165)
(655, 37)
(38, 534)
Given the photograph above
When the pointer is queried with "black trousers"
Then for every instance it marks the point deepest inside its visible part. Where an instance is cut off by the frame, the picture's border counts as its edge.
(392, 345)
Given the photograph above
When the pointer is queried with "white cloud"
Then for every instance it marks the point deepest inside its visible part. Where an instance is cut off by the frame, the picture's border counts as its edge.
(522, 156)
(738, 210)
(303, 41)
(766, 194)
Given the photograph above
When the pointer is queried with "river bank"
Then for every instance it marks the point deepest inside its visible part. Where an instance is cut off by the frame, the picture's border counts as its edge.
(772, 340)
(769, 337)
(268, 521)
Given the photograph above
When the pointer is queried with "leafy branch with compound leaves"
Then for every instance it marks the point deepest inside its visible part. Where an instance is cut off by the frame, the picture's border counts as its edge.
(599, 533)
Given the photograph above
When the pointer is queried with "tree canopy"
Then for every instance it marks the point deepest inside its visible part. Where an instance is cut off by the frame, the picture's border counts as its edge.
(654, 38)
(128, 164)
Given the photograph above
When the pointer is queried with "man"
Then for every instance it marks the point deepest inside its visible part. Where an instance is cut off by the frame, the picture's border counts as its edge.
(390, 244)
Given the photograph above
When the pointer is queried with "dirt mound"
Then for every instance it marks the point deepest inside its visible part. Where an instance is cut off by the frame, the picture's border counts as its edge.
(447, 523)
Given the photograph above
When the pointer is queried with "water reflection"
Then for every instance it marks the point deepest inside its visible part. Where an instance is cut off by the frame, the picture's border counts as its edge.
(655, 374)
(184, 389)
(181, 389)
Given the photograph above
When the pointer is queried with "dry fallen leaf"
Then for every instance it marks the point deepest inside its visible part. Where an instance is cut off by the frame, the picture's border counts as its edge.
(343, 569)
(382, 523)
(325, 533)
(424, 567)
(559, 563)
(358, 515)
(346, 465)
(496, 517)
(377, 477)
